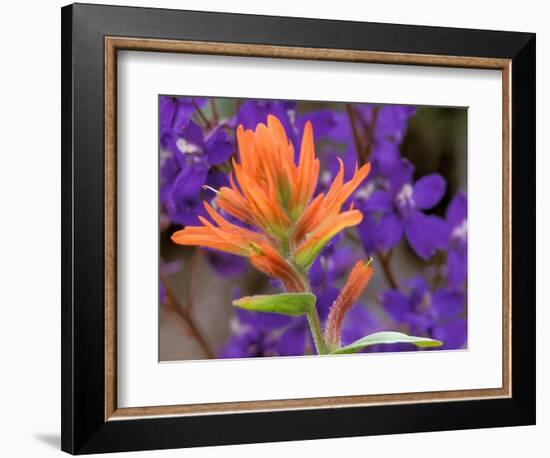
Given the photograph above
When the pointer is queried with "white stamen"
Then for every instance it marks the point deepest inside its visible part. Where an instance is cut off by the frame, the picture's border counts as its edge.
(186, 147)
(210, 188)
(365, 191)
(405, 196)
(460, 232)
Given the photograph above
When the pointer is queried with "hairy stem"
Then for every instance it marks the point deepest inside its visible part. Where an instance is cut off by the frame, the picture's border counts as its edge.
(316, 332)
(313, 322)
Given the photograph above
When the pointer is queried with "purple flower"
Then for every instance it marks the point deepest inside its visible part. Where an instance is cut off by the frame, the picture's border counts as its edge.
(174, 115)
(425, 312)
(186, 158)
(380, 130)
(457, 255)
(396, 210)
(253, 112)
(253, 334)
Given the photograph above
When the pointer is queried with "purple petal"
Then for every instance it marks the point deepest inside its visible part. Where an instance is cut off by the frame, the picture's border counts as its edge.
(219, 147)
(390, 231)
(323, 121)
(368, 233)
(428, 191)
(457, 267)
(457, 211)
(253, 112)
(419, 322)
(453, 334)
(190, 179)
(167, 108)
(183, 113)
(396, 304)
(425, 233)
(401, 175)
(385, 156)
(262, 320)
(292, 342)
(392, 121)
(325, 299)
(378, 201)
(185, 211)
(447, 303)
(193, 136)
(359, 322)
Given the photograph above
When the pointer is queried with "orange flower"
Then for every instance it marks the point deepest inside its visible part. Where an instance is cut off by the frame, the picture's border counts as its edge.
(269, 192)
(358, 280)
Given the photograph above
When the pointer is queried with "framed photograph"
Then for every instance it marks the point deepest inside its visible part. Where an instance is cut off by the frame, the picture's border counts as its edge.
(281, 229)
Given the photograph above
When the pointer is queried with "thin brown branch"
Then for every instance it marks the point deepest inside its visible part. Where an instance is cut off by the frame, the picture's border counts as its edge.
(356, 137)
(191, 276)
(214, 109)
(174, 306)
(386, 268)
(201, 115)
(370, 134)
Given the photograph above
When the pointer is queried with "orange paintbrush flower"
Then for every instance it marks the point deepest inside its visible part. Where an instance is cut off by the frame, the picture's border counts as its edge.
(358, 280)
(274, 196)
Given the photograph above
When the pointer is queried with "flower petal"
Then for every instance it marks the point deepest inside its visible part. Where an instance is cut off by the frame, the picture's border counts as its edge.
(457, 211)
(293, 341)
(457, 267)
(453, 334)
(378, 201)
(390, 231)
(425, 233)
(428, 191)
(396, 304)
(447, 303)
(219, 147)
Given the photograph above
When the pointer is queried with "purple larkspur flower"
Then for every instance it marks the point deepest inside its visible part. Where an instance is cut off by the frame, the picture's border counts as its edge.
(187, 155)
(174, 115)
(254, 334)
(253, 112)
(425, 312)
(389, 213)
(385, 125)
(457, 255)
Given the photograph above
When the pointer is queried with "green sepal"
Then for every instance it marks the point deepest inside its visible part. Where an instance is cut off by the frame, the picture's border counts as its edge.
(293, 304)
(388, 337)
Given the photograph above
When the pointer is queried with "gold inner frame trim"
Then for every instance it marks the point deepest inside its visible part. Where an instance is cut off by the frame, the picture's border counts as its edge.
(112, 45)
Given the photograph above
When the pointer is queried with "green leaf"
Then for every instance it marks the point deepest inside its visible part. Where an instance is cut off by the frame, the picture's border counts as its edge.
(389, 337)
(293, 304)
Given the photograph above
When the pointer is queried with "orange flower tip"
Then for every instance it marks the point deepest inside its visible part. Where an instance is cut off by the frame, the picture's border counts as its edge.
(177, 236)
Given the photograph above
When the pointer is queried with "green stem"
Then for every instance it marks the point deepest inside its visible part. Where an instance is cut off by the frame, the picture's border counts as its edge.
(315, 328)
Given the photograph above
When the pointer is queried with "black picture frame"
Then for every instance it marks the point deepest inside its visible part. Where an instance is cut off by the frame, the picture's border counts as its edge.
(84, 427)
